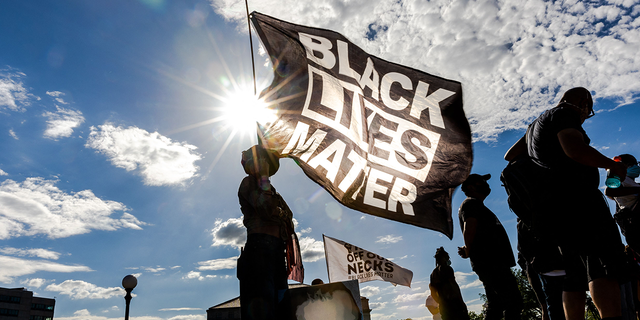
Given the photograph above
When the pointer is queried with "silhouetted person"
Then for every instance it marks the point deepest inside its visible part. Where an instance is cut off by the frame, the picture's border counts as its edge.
(573, 212)
(445, 289)
(262, 268)
(487, 246)
(626, 197)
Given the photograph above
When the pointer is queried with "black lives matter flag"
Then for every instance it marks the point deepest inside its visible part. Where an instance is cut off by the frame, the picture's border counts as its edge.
(382, 138)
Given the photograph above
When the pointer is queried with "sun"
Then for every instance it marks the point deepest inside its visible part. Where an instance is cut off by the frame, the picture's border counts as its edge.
(241, 111)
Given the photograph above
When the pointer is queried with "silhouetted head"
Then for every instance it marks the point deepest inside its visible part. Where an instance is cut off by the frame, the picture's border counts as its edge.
(580, 98)
(476, 185)
(317, 281)
(633, 167)
(442, 257)
(627, 159)
(251, 160)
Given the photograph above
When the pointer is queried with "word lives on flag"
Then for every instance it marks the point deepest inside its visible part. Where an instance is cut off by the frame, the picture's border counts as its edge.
(348, 262)
(381, 138)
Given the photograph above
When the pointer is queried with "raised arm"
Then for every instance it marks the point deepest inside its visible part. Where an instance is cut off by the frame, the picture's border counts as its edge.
(517, 149)
(574, 147)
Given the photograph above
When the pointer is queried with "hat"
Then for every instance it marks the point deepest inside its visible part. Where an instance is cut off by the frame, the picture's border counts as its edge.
(473, 179)
(250, 156)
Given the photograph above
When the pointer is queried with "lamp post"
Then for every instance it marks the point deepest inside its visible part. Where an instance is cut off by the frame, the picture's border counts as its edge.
(129, 282)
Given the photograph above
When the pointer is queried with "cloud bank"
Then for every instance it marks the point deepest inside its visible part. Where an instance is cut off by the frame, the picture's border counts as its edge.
(37, 207)
(156, 158)
(514, 58)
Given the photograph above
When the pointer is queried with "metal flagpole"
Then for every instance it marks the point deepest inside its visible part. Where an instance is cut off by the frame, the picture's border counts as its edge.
(253, 68)
(253, 65)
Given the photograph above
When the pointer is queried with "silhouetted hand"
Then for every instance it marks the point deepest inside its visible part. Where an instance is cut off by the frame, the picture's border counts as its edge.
(620, 170)
(463, 252)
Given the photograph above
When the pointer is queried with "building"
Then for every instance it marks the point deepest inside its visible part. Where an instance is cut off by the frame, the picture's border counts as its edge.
(19, 303)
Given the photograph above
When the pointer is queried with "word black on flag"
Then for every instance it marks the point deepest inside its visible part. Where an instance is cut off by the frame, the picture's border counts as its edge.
(382, 138)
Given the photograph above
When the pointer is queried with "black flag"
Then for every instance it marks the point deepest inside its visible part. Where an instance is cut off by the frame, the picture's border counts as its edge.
(382, 138)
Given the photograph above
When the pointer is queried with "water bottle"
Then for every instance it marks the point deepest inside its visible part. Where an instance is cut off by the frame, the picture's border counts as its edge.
(612, 181)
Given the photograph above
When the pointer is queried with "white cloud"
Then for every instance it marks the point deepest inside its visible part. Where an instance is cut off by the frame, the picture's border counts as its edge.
(514, 58)
(158, 160)
(311, 249)
(377, 305)
(84, 314)
(154, 270)
(389, 239)
(13, 95)
(307, 230)
(369, 291)
(410, 297)
(2, 173)
(40, 253)
(60, 124)
(474, 284)
(78, 289)
(180, 309)
(188, 317)
(34, 283)
(56, 95)
(113, 308)
(15, 267)
(198, 276)
(467, 280)
(218, 264)
(37, 206)
(229, 233)
(13, 134)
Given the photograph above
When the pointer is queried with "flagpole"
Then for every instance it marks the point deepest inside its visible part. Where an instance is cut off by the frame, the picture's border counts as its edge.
(253, 65)
(326, 259)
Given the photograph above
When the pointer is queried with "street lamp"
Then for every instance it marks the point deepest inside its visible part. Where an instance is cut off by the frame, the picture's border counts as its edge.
(129, 282)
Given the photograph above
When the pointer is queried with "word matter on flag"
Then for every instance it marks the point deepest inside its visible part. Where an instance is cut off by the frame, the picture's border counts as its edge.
(381, 138)
(348, 262)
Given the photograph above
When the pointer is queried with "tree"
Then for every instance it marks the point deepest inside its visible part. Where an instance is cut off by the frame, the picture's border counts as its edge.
(531, 310)
(531, 307)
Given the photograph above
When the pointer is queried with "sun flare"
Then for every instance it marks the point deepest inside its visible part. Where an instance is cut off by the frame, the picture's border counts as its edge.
(241, 112)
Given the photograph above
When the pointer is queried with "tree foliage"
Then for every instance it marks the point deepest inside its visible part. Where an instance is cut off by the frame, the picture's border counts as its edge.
(531, 310)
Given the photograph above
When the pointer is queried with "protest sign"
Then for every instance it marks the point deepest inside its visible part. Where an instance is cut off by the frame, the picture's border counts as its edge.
(348, 262)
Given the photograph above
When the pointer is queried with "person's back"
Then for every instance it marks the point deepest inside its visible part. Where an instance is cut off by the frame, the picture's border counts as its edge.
(573, 213)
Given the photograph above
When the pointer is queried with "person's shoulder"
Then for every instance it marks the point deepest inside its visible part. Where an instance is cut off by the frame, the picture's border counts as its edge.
(247, 183)
(563, 113)
(470, 202)
(469, 207)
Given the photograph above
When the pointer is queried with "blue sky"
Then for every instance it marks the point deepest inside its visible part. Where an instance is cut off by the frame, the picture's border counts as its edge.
(119, 152)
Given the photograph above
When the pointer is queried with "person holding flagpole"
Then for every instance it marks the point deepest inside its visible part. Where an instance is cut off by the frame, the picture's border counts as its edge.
(271, 253)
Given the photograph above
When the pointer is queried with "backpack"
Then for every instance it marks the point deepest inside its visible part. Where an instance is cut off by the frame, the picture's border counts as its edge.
(520, 178)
